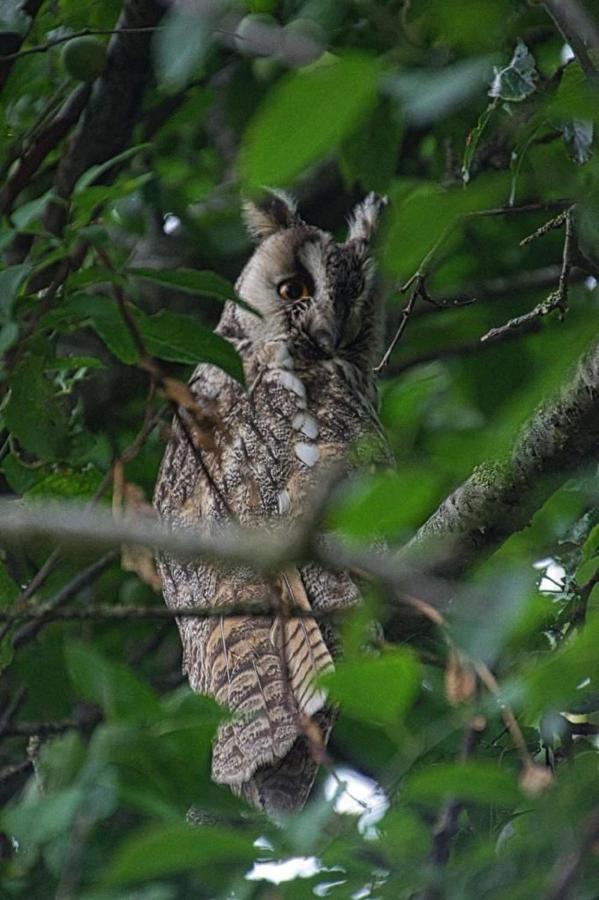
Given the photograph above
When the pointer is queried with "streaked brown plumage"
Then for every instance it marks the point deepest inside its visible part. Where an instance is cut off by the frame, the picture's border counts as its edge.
(308, 362)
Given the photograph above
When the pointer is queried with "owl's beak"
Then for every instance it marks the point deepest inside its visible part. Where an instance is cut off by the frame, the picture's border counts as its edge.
(329, 339)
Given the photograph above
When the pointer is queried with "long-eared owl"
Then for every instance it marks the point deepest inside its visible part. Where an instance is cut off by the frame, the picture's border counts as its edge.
(310, 399)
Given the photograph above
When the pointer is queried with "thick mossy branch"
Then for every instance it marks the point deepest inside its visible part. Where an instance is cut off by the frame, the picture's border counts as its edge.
(500, 499)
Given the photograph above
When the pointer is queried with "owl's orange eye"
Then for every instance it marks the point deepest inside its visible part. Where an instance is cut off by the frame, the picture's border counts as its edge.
(293, 289)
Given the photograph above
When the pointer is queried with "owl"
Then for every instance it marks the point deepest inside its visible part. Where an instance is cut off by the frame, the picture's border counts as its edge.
(309, 402)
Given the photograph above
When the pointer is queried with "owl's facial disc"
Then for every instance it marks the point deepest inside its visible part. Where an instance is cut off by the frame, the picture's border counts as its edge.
(310, 291)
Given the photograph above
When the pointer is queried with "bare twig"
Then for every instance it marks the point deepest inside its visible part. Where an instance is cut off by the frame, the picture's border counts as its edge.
(51, 607)
(546, 227)
(418, 287)
(558, 299)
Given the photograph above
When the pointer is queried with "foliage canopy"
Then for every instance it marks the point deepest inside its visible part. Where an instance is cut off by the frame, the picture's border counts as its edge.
(123, 162)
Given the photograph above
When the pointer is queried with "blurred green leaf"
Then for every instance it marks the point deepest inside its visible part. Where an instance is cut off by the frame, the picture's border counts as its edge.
(9, 589)
(40, 819)
(472, 782)
(160, 850)
(11, 280)
(419, 221)
(377, 690)
(305, 116)
(386, 504)
(182, 43)
(109, 684)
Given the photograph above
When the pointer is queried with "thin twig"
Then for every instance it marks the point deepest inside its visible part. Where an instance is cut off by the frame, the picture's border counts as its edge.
(511, 723)
(404, 317)
(106, 613)
(558, 299)
(85, 32)
(51, 607)
(546, 227)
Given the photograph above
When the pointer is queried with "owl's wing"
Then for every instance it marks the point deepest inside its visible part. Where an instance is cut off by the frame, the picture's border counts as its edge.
(261, 667)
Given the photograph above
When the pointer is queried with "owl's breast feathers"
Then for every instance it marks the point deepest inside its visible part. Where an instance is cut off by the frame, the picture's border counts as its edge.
(276, 436)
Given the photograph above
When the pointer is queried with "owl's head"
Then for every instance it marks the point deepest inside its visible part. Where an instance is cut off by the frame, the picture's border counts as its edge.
(315, 294)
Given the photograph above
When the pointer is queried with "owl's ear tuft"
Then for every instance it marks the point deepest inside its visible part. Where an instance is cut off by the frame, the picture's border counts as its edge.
(275, 212)
(364, 219)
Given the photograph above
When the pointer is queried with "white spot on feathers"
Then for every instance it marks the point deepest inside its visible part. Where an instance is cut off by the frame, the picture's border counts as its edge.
(292, 383)
(307, 453)
(305, 423)
(284, 502)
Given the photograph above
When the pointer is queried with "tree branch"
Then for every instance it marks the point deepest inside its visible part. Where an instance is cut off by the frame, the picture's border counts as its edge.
(115, 102)
(577, 29)
(499, 499)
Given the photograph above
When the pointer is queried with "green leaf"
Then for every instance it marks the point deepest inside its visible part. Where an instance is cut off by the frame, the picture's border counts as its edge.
(94, 275)
(30, 211)
(103, 314)
(475, 782)
(376, 690)
(11, 280)
(9, 589)
(386, 503)
(368, 156)
(37, 821)
(67, 484)
(305, 116)
(94, 172)
(8, 335)
(111, 685)
(578, 140)
(34, 414)
(575, 98)
(182, 339)
(159, 850)
(564, 677)
(428, 215)
(166, 335)
(190, 281)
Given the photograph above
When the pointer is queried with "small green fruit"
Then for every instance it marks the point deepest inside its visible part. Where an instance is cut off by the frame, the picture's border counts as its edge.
(84, 58)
